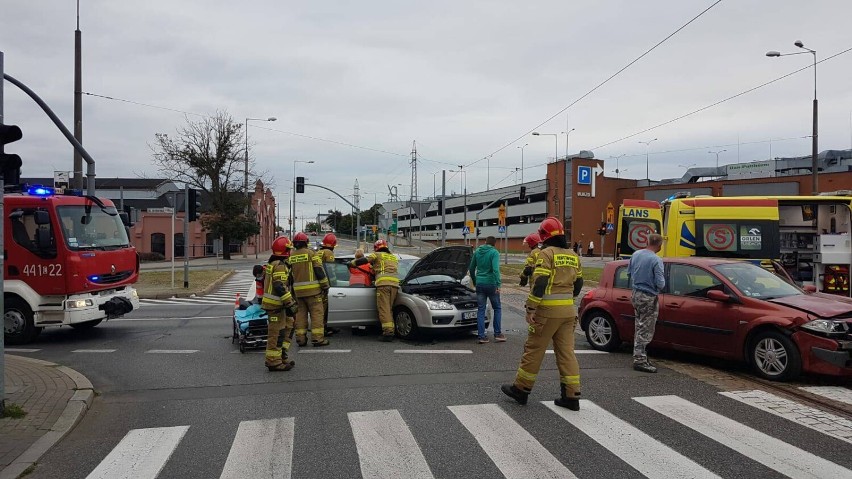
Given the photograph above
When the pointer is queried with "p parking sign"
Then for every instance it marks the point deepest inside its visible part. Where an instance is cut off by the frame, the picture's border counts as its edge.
(584, 175)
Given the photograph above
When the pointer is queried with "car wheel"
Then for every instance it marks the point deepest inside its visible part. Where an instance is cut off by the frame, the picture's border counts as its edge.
(601, 332)
(774, 356)
(88, 324)
(404, 323)
(18, 323)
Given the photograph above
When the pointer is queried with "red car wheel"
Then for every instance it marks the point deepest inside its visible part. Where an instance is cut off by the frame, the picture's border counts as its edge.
(774, 356)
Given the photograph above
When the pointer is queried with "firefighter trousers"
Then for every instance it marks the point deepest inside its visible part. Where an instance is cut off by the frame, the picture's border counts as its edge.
(325, 309)
(310, 305)
(385, 297)
(279, 333)
(561, 331)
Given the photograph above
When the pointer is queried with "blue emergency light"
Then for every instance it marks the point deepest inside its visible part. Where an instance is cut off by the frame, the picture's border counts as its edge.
(43, 191)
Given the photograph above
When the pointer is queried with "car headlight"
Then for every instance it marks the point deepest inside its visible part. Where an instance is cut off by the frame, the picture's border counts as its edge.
(78, 303)
(827, 326)
(439, 305)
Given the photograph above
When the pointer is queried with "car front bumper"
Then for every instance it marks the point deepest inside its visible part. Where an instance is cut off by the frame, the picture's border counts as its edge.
(822, 355)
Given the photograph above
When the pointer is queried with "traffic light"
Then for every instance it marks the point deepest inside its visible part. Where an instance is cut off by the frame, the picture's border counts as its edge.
(523, 195)
(194, 205)
(10, 164)
(602, 229)
(300, 184)
(477, 232)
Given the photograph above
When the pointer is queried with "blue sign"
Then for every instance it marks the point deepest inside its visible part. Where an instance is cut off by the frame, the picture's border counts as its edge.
(465, 230)
(501, 229)
(610, 227)
(584, 175)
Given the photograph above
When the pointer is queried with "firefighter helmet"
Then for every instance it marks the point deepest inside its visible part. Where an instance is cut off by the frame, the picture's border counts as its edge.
(300, 237)
(549, 228)
(281, 246)
(532, 240)
(380, 244)
(329, 240)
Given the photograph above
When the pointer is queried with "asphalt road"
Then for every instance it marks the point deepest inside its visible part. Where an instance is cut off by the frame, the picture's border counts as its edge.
(169, 378)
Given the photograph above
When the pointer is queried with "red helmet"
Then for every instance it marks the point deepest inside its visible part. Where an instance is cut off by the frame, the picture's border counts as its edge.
(329, 240)
(300, 237)
(282, 246)
(380, 244)
(532, 240)
(549, 228)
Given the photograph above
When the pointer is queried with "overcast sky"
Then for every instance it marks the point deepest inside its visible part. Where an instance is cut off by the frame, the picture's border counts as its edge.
(463, 78)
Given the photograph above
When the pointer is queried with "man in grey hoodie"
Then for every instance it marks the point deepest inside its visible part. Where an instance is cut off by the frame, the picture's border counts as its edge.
(485, 276)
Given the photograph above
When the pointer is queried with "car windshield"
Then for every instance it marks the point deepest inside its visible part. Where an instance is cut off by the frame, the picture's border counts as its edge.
(755, 282)
(89, 227)
(405, 266)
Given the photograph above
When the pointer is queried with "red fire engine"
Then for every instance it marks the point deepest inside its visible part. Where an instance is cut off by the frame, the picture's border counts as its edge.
(68, 262)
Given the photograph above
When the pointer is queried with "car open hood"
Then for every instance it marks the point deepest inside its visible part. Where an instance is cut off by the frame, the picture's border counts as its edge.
(822, 305)
(450, 261)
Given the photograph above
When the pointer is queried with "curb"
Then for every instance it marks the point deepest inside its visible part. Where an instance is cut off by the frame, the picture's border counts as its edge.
(77, 406)
(186, 294)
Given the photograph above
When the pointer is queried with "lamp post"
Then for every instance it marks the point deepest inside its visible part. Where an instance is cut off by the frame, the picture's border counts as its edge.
(555, 143)
(567, 134)
(245, 172)
(488, 173)
(617, 169)
(647, 168)
(522, 160)
(294, 189)
(717, 156)
(687, 167)
(814, 136)
(464, 193)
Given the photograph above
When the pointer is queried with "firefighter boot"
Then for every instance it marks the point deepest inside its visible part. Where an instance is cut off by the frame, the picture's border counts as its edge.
(513, 392)
(324, 342)
(284, 365)
(567, 400)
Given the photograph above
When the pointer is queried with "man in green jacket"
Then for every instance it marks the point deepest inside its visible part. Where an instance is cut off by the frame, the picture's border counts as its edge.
(485, 275)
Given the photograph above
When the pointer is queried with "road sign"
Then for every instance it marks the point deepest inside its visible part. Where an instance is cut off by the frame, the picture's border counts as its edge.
(610, 213)
(610, 228)
(501, 215)
(501, 229)
(584, 175)
(465, 230)
(470, 225)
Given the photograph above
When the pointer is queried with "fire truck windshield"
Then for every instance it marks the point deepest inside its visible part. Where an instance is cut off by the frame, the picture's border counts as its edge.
(90, 227)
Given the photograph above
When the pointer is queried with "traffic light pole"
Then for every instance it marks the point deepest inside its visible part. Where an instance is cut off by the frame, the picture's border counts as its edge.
(186, 237)
(2, 266)
(489, 205)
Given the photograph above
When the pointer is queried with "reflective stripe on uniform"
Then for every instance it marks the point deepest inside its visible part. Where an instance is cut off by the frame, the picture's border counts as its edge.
(387, 277)
(301, 332)
(387, 325)
(273, 354)
(570, 380)
(533, 299)
(526, 376)
(557, 300)
(317, 331)
(542, 271)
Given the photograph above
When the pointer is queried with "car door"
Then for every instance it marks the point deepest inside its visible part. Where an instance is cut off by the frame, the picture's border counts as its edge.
(350, 305)
(622, 306)
(688, 319)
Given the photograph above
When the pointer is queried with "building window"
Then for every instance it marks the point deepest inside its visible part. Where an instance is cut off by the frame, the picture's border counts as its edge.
(180, 245)
(158, 243)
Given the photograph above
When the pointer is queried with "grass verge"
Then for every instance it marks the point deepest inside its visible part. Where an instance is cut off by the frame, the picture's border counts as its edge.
(13, 411)
(160, 282)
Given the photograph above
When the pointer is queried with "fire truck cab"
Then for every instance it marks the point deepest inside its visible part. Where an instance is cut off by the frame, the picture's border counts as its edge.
(68, 262)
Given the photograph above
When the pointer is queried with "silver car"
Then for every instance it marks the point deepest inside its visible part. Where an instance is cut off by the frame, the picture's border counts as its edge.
(431, 295)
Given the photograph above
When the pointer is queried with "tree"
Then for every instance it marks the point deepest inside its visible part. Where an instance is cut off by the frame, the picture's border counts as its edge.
(209, 155)
(312, 227)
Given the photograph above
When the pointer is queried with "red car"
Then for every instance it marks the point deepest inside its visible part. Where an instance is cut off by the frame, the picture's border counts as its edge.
(729, 309)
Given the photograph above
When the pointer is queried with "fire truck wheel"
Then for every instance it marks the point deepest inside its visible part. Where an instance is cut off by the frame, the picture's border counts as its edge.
(18, 324)
(87, 324)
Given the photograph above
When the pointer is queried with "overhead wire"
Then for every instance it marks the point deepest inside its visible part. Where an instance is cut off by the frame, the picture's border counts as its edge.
(599, 85)
(707, 107)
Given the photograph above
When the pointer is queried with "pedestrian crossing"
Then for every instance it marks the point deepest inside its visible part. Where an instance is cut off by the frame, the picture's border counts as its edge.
(388, 447)
(241, 282)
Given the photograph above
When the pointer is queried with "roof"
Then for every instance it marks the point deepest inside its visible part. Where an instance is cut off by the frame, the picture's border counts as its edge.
(110, 183)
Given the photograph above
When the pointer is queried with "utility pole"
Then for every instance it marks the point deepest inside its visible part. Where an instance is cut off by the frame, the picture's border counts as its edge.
(413, 196)
(186, 236)
(78, 103)
(2, 266)
(443, 208)
(357, 197)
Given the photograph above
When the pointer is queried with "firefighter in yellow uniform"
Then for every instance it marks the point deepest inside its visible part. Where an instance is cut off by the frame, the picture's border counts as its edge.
(532, 241)
(326, 254)
(551, 316)
(279, 305)
(309, 282)
(385, 266)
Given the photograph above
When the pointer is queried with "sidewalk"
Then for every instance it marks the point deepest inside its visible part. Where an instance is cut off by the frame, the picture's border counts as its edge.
(54, 397)
(236, 262)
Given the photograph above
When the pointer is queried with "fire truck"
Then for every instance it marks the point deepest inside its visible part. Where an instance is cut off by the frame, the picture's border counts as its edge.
(68, 262)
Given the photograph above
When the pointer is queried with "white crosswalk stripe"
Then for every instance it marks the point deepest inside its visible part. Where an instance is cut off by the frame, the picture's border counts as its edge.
(387, 448)
(772, 453)
(241, 282)
(836, 393)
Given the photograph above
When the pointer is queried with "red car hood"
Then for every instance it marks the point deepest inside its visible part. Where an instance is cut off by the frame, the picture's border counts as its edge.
(822, 305)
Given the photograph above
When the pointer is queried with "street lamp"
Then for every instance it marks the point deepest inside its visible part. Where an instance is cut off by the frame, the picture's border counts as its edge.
(815, 143)
(522, 160)
(686, 166)
(647, 169)
(617, 169)
(555, 143)
(717, 156)
(245, 183)
(464, 193)
(567, 134)
(294, 189)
